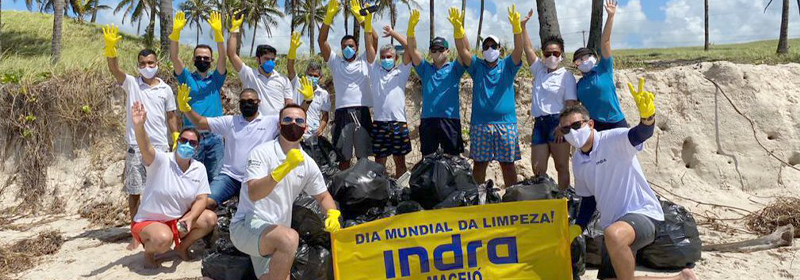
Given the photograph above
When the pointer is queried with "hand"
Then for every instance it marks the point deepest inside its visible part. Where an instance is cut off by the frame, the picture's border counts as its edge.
(111, 37)
(293, 45)
(332, 221)
(513, 17)
(645, 100)
(319, 132)
(331, 11)
(175, 136)
(527, 18)
(183, 98)
(177, 26)
(559, 136)
(306, 88)
(138, 114)
(355, 7)
(215, 21)
(236, 21)
(388, 31)
(188, 221)
(368, 21)
(611, 7)
(456, 20)
(293, 158)
(412, 24)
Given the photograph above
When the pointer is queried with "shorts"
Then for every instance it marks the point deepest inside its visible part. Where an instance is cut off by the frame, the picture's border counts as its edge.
(645, 229)
(435, 132)
(498, 142)
(224, 188)
(246, 236)
(134, 173)
(136, 230)
(544, 129)
(351, 131)
(600, 126)
(390, 139)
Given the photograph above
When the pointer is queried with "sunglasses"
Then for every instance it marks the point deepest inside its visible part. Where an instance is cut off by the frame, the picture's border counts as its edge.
(576, 125)
(202, 58)
(298, 121)
(256, 101)
(192, 143)
(437, 50)
(492, 46)
(549, 54)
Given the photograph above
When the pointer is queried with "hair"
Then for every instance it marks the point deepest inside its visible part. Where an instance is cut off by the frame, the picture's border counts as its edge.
(314, 66)
(203, 46)
(574, 109)
(388, 47)
(265, 49)
(290, 106)
(581, 52)
(248, 90)
(554, 40)
(193, 130)
(146, 52)
(349, 37)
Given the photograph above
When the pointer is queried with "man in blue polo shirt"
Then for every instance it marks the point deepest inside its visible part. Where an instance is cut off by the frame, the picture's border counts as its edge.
(205, 87)
(493, 129)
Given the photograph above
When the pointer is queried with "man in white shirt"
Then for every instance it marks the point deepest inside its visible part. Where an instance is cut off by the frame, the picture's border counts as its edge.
(174, 198)
(242, 133)
(352, 87)
(390, 135)
(319, 106)
(606, 167)
(157, 98)
(276, 174)
(273, 89)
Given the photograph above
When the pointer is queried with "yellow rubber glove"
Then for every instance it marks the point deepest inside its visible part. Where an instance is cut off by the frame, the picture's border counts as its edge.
(331, 11)
(574, 231)
(355, 7)
(293, 159)
(456, 20)
(412, 24)
(306, 88)
(236, 22)
(513, 17)
(645, 100)
(177, 26)
(293, 45)
(183, 98)
(111, 36)
(332, 221)
(175, 136)
(215, 21)
(368, 21)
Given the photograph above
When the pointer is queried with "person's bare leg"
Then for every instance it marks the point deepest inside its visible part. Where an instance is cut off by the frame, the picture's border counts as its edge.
(157, 238)
(479, 171)
(400, 166)
(509, 173)
(281, 243)
(539, 156)
(133, 206)
(381, 160)
(618, 238)
(560, 152)
(200, 227)
(211, 204)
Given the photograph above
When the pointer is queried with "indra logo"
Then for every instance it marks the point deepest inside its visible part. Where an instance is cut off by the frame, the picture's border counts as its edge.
(404, 254)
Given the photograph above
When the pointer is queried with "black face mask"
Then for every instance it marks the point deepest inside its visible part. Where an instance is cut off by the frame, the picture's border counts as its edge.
(202, 66)
(292, 132)
(248, 108)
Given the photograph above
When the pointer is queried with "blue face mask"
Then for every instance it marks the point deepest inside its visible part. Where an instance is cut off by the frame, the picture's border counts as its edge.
(387, 64)
(185, 151)
(268, 66)
(314, 81)
(348, 52)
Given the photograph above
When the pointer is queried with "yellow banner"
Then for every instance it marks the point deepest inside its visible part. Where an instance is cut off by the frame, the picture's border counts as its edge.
(515, 240)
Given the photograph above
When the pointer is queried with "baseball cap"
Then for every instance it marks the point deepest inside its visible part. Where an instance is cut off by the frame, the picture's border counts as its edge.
(439, 42)
(493, 38)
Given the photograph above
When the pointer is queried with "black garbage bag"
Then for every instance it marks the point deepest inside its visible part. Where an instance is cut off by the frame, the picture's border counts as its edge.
(312, 263)
(398, 194)
(361, 187)
(677, 244)
(436, 177)
(536, 188)
(578, 253)
(322, 152)
(492, 193)
(460, 199)
(594, 242)
(308, 219)
(219, 266)
(408, 207)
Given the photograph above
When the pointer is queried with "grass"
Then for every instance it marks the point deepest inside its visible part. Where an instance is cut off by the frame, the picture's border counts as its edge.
(760, 52)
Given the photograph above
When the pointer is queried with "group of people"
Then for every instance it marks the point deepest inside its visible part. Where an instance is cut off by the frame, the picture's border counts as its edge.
(256, 155)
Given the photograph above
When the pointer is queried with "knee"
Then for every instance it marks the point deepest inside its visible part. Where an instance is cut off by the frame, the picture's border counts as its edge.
(207, 220)
(159, 242)
(562, 167)
(616, 235)
(288, 240)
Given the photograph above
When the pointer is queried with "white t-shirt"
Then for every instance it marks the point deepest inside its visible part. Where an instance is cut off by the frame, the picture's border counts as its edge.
(321, 103)
(351, 81)
(276, 208)
(389, 91)
(241, 137)
(551, 90)
(157, 101)
(273, 90)
(169, 192)
(612, 174)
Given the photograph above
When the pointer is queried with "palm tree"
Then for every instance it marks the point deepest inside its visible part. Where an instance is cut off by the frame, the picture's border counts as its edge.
(306, 16)
(165, 22)
(258, 10)
(135, 10)
(783, 40)
(55, 44)
(705, 6)
(196, 11)
(480, 26)
(290, 8)
(596, 26)
(150, 31)
(548, 20)
(391, 7)
(433, 23)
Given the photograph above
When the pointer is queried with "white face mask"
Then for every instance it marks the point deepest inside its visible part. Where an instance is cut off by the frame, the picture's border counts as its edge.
(587, 64)
(147, 72)
(578, 138)
(552, 62)
(491, 55)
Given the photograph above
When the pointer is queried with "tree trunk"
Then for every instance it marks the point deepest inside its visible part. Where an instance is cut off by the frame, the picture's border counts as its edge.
(346, 14)
(356, 29)
(311, 31)
(707, 44)
(149, 35)
(596, 26)
(253, 42)
(1, 26)
(463, 11)
(294, 12)
(783, 41)
(480, 26)
(165, 21)
(392, 18)
(197, 38)
(55, 45)
(548, 20)
(94, 10)
(433, 23)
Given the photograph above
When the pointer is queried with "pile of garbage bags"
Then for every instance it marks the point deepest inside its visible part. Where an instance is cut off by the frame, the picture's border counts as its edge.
(360, 188)
(223, 261)
(677, 244)
(441, 181)
(313, 260)
(322, 152)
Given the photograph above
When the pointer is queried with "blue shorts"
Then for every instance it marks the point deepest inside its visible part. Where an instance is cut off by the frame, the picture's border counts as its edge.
(498, 142)
(544, 129)
(224, 188)
(390, 139)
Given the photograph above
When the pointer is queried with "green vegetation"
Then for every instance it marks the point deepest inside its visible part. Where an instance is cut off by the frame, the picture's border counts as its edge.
(761, 52)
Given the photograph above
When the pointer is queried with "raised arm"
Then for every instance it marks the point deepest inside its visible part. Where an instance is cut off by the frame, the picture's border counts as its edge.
(371, 38)
(462, 45)
(293, 45)
(111, 38)
(530, 53)
(519, 44)
(215, 21)
(183, 106)
(139, 116)
(389, 32)
(236, 24)
(645, 101)
(611, 10)
(330, 12)
(174, 45)
(411, 50)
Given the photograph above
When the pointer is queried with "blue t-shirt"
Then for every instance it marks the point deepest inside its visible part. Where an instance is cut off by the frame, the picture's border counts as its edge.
(598, 94)
(440, 89)
(205, 93)
(493, 91)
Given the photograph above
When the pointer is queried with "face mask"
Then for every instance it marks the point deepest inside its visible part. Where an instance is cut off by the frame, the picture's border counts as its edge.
(491, 55)
(552, 62)
(202, 66)
(248, 109)
(387, 64)
(578, 138)
(268, 66)
(147, 72)
(348, 52)
(185, 151)
(292, 132)
(439, 58)
(587, 65)
(314, 81)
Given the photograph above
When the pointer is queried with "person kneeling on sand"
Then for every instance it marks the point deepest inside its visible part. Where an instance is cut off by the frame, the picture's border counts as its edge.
(606, 167)
(276, 174)
(174, 195)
